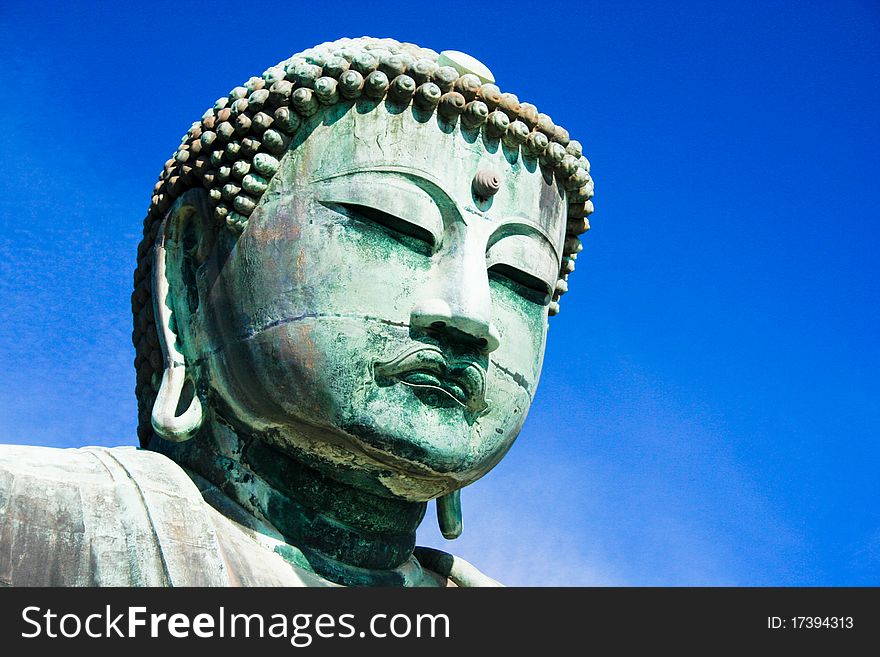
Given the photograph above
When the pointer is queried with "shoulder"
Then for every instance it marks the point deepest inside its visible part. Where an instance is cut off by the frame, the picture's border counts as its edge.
(100, 516)
(48, 475)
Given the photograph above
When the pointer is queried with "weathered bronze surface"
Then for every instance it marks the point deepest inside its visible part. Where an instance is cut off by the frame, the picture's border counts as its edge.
(341, 307)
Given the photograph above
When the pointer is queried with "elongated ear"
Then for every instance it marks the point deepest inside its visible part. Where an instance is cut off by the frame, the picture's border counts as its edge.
(449, 515)
(183, 242)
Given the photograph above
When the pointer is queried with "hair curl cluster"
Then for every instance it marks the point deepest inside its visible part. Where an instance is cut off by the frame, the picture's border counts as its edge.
(236, 148)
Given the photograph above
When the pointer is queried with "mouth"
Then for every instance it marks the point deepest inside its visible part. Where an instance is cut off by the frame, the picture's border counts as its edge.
(427, 370)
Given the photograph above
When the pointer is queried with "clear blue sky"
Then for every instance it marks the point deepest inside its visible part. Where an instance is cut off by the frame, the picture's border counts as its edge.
(709, 411)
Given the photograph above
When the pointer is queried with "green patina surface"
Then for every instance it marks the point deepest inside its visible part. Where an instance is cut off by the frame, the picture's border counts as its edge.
(375, 335)
(341, 307)
(341, 311)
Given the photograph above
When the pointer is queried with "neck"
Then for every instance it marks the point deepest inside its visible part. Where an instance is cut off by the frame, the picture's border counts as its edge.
(331, 528)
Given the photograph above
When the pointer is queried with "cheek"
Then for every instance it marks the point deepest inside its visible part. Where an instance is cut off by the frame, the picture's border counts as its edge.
(523, 328)
(312, 369)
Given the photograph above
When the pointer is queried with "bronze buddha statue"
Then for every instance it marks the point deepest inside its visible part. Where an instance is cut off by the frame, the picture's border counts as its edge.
(340, 313)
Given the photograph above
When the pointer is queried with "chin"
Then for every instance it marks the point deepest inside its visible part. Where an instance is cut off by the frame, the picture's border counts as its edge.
(420, 479)
(422, 459)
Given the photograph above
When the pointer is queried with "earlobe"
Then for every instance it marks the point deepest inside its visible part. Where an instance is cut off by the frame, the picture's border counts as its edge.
(449, 515)
(177, 412)
(165, 421)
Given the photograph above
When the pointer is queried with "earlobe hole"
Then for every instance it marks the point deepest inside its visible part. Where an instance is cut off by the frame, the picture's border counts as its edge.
(186, 397)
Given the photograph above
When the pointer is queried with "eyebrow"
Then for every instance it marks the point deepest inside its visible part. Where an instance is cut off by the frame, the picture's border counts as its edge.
(431, 184)
(515, 225)
(518, 225)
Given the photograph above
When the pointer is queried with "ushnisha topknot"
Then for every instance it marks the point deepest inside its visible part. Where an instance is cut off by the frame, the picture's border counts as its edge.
(236, 148)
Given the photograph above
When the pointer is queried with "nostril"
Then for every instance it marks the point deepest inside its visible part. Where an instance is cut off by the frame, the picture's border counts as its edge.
(438, 325)
(483, 343)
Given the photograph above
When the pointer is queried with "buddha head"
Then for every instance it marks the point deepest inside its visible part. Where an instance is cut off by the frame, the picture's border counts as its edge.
(353, 259)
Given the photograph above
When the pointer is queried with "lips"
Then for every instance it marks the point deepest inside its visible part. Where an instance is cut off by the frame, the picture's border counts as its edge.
(427, 368)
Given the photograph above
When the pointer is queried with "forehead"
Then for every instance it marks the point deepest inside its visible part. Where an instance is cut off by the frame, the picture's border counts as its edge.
(370, 138)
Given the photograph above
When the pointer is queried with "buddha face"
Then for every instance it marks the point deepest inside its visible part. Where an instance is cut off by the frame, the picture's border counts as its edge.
(378, 316)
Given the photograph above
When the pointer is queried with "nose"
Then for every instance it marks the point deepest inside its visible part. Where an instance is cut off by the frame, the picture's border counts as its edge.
(458, 303)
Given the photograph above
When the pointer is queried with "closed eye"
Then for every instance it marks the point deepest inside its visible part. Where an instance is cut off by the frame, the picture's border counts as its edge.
(530, 287)
(414, 236)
